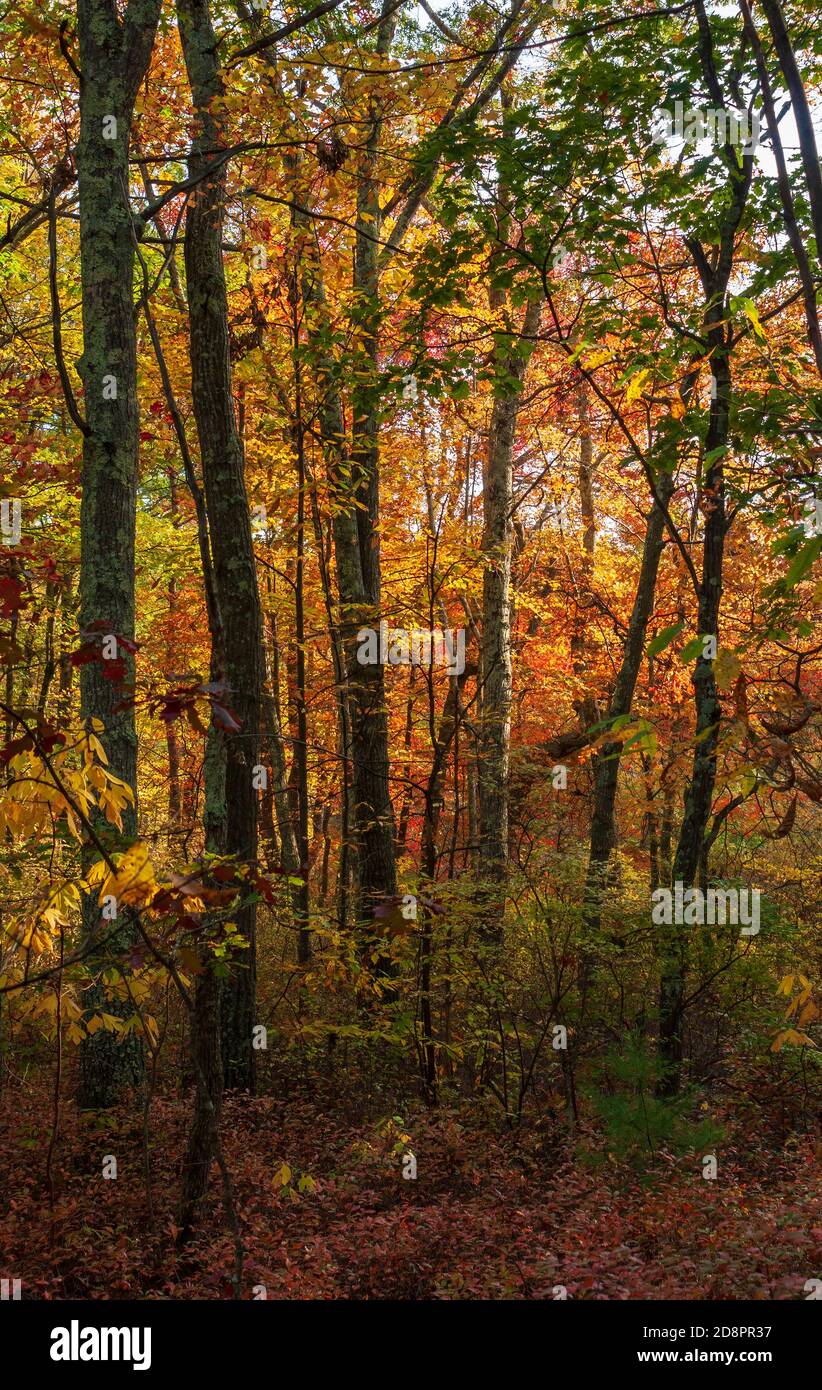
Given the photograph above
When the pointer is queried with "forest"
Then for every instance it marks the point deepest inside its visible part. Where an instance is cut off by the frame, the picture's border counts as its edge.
(411, 691)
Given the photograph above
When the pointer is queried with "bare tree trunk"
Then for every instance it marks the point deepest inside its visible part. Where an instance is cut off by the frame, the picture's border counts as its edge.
(784, 184)
(801, 113)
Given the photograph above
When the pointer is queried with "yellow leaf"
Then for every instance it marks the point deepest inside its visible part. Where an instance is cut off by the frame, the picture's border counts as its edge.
(790, 1035)
(97, 747)
(636, 384)
(727, 668)
(596, 359)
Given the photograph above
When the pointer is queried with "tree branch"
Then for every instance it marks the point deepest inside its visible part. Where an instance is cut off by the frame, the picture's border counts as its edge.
(57, 337)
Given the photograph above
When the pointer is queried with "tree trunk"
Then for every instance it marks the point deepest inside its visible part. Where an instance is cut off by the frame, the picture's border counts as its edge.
(708, 713)
(585, 702)
(277, 795)
(377, 875)
(715, 277)
(356, 516)
(301, 896)
(172, 742)
(206, 1054)
(114, 57)
(783, 179)
(448, 725)
(232, 548)
(801, 113)
(606, 777)
(495, 668)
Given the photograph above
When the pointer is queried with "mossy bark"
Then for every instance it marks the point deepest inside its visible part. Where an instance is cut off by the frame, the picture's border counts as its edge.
(715, 276)
(354, 476)
(114, 56)
(373, 811)
(232, 548)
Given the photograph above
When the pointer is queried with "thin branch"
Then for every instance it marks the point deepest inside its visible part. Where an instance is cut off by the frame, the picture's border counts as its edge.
(291, 28)
(71, 403)
(66, 52)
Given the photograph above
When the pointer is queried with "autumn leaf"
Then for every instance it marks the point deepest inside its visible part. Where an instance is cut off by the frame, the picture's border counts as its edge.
(727, 668)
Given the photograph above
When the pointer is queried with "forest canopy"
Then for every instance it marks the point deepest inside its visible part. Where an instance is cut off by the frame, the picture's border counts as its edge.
(411, 756)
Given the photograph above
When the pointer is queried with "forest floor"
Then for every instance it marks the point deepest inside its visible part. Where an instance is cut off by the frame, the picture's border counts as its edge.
(326, 1212)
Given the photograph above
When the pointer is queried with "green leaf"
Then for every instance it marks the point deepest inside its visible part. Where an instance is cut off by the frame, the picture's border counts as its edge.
(802, 562)
(753, 314)
(663, 639)
(691, 651)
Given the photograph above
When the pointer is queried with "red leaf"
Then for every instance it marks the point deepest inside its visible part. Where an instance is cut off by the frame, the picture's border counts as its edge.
(114, 670)
(11, 595)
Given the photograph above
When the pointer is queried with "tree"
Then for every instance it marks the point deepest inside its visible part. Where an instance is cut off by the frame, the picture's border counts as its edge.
(231, 794)
(114, 57)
